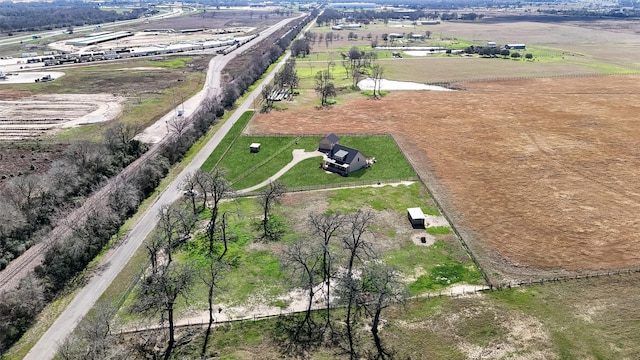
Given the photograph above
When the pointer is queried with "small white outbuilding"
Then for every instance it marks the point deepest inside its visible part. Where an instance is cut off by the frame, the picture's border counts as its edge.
(416, 216)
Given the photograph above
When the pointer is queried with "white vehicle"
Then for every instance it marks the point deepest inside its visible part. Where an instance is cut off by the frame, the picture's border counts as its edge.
(2, 76)
(190, 193)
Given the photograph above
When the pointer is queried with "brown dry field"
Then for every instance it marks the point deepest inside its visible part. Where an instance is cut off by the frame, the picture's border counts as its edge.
(540, 176)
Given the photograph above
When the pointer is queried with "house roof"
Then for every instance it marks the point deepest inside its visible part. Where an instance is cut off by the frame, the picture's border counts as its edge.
(333, 138)
(340, 150)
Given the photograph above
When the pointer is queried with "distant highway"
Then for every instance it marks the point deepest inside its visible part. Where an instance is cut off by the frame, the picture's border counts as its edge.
(114, 261)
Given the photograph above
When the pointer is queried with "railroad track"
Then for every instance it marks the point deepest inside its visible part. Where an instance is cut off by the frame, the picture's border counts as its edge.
(25, 263)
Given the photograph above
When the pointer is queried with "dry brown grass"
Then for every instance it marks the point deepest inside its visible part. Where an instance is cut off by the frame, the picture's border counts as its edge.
(538, 174)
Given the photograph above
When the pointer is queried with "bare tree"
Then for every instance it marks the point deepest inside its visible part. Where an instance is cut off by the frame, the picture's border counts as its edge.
(327, 225)
(215, 184)
(120, 140)
(93, 339)
(177, 125)
(174, 225)
(159, 292)
(189, 185)
(210, 277)
(24, 192)
(383, 287)
(302, 258)
(124, 198)
(10, 219)
(377, 71)
(268, 198)
(154, 245)
(358, 249)
(324, 87)
(355, 243)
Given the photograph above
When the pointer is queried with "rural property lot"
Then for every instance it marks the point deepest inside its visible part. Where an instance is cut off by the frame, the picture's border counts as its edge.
(540, 176)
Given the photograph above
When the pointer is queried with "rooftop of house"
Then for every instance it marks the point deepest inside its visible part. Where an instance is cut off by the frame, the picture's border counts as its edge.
(343, 153)
(333, 138)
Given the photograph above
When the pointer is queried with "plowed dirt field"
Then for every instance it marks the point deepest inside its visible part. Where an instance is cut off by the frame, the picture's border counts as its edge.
(540, 176)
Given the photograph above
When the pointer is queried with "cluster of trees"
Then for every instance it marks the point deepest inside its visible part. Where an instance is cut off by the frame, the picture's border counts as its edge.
(604, 12)
(167, 279)
(29, 203)
(358, 64)
(494, 51)
(338, 266)
(251, 64)
(301, 47)
(66, 258)
(285, 80)
(313, 37)
(59, 14)
(365, 16)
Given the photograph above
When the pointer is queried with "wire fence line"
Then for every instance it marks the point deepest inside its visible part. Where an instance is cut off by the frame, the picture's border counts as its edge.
(540, 76)
(450, 293)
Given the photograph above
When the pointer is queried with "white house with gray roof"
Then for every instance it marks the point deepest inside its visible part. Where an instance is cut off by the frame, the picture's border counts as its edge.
(343, 160)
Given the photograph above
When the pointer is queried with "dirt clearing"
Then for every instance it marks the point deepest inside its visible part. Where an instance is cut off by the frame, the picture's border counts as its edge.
(540, 176)
(40, 114)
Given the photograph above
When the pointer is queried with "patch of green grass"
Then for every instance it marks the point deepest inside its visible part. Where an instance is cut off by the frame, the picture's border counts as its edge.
(383, 198)
(244, 168)
(171, 62)
(442, 276)
(227, 141)
(369, 93)
(280, 304)
(439, 230)
(442, 265)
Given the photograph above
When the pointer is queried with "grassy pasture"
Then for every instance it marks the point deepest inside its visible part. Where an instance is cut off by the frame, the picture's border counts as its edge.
(257, 276)
(554, 47)
(575, 320)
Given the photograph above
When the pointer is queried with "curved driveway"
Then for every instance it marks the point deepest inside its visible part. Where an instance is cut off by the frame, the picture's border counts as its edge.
(298, 155)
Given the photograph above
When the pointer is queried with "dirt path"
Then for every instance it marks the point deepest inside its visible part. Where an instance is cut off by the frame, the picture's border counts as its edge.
(297, 300)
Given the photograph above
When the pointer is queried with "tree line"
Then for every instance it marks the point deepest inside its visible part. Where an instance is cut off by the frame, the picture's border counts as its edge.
(30, 203)
(59, 14)
(68, 257)
(251, 64)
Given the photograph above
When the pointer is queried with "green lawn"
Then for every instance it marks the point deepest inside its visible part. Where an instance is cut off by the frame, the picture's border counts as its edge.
(434, 267)
(227, 141)
(390, 165)
(245, 169)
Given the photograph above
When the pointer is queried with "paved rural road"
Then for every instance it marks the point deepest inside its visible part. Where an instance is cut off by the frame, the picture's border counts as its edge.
(112, 263)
